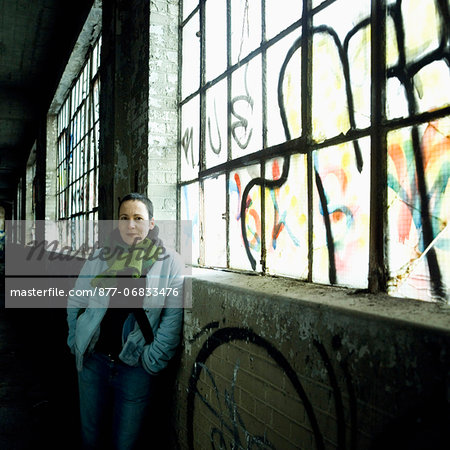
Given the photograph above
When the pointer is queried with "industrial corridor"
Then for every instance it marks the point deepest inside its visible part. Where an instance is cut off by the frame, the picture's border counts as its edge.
(224, 224)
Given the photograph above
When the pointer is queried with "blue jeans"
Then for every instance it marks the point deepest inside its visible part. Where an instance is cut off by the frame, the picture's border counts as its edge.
(114, 401)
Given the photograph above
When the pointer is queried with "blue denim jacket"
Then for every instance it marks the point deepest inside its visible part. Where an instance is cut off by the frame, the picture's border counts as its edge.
(85, 312)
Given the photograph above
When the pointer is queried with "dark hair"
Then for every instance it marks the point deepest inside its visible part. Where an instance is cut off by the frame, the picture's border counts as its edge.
(135, 196)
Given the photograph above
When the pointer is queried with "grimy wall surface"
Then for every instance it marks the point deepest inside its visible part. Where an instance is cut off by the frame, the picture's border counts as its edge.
(138, 104)
(281, 365)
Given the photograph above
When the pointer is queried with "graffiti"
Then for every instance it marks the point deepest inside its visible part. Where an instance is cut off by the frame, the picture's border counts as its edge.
(187, 143)
(231, 426)
(280, 213)
(263, 183)
(280, 218)
(404, 71)
(255, 240)
(218, 148)
(242, 122)
(254, 118)
(230, 419)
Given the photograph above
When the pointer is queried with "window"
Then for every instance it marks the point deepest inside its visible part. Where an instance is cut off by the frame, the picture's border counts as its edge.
(314, 140)
(77, 165)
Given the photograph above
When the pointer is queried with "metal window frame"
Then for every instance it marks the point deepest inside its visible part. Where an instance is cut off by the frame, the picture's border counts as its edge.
(79, 101)
(377, 132)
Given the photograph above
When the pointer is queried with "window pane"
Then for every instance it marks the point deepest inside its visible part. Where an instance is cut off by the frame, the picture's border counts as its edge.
(91, 190)
(215, 223)
(190, 144)
(333, 92)
(216, 38)
(277, 20)
(96, 100)
(287, 218)
(246, 109)
(423, 71)
(432, 86)
(341, 210)
(245, 28)
(239, 180)
(409, 255)
(190, 212)
(289, 110)
(92, 150)
(216, 124)
(422, 28)
(188, 7)
(190, 77)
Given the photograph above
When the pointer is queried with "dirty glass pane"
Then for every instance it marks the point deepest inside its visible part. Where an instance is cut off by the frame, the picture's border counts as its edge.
(91, 190)
(216, 124)
(83, 120)
(76, 162)
(84, 152)
(422, 28)
(190, 70)
(246, 109)
(92, 150)
(73, 136)
(276, 22)
(287, 218)
(96, 100)
(215, 38)
(190, 212)
(340, 97)
(215, 223)
(414, 262)
(190, 145)
(423, 75)
(188, 7)
(432, 86)
(239, 258)
(341, 206)
(245, 28)
(95, 60)
(284, 67)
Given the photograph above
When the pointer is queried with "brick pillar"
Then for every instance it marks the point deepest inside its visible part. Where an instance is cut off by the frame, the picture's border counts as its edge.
(163, 117)
(138, 104)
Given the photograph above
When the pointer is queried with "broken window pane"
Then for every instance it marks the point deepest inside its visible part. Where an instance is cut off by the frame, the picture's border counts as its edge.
(419, 260)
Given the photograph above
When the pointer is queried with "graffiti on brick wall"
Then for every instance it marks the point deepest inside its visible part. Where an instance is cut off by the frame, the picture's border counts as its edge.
(222, 409)
(229, 419)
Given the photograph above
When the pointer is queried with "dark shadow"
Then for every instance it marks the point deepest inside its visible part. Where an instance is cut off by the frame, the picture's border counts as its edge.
(424, 427)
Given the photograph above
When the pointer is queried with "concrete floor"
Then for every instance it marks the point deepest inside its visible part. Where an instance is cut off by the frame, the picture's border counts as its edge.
(38, 393)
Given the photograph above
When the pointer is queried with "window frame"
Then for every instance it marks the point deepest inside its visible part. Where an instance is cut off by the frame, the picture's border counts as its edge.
(377, 131)
(81, 102)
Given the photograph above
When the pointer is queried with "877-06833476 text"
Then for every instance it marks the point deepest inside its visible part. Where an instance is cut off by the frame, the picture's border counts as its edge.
(111, 291)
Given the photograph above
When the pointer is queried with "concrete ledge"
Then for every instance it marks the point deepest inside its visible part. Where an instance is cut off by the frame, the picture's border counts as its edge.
(410, 312)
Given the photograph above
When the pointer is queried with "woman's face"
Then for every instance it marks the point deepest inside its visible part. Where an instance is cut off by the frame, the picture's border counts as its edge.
(134, 221)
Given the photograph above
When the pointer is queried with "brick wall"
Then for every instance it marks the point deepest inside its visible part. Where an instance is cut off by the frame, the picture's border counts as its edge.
(163, 119)
(275, 364)
(50, 176)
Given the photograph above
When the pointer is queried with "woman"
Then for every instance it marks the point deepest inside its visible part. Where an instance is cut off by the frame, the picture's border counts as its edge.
(124, 326)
